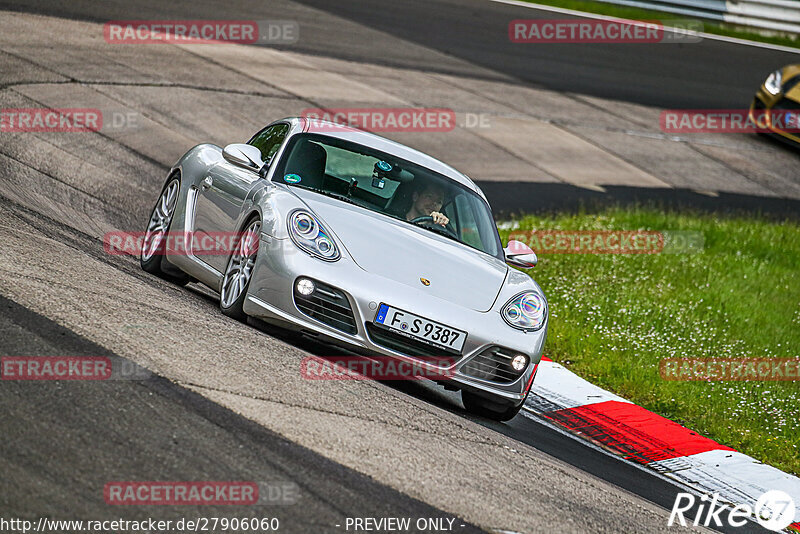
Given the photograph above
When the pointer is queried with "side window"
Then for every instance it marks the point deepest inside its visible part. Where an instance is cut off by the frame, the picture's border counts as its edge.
(269, 140)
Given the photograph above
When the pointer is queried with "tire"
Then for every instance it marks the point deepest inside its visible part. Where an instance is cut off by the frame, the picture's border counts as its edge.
(483, 407)
(239, 271)
(151, 257)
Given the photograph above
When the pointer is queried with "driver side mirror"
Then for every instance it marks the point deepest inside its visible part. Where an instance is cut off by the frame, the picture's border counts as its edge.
(243, 155)
(519, 254)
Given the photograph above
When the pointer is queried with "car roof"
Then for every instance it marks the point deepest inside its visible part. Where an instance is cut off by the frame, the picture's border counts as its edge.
(394, 148)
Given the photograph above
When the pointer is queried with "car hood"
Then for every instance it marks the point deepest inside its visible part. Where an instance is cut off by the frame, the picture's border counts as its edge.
(403, 253)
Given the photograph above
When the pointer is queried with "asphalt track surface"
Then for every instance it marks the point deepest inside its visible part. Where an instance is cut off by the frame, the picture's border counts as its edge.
(709, 74)
(63, 444)
(152, 429)
(65, 440)
(470, 38)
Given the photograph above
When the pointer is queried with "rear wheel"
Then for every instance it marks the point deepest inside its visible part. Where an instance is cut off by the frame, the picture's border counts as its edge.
(239, 271)
(498, 411)
(155, 238)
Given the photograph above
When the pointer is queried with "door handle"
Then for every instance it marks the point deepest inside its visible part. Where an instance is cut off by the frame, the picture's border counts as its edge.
(206, 183)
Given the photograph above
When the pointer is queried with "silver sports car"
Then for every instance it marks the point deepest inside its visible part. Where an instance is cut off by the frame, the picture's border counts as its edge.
(362, 242)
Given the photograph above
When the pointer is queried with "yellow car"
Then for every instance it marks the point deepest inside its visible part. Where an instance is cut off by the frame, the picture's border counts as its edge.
(777, 104)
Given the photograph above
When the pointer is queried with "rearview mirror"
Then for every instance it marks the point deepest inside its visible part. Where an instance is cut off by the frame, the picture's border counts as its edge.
(519, 254)
(243, 155)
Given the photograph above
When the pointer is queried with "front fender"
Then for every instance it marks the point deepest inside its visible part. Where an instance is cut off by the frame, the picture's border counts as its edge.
(195, 163)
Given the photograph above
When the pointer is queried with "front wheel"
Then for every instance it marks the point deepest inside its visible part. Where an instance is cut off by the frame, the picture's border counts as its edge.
(497, 411)
(155, 238)
(239, 272)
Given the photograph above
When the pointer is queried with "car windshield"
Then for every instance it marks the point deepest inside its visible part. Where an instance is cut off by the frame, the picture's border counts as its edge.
(389, 185)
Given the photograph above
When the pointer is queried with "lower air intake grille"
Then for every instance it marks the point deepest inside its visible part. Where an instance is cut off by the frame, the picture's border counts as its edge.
(786, 103)
(494, 365)
(327, 305)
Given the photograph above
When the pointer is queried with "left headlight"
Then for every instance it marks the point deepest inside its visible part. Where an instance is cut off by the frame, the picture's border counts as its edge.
(774, 82)
(309, 235)
(526, 311)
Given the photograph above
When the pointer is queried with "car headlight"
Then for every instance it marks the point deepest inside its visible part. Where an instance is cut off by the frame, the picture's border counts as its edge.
(774, 82)
(526, 311)
(310, 236)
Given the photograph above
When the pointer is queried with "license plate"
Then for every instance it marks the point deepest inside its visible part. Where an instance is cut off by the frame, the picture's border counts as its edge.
(417, 327)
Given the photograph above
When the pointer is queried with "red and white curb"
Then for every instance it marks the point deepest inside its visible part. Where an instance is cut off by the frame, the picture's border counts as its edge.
(641, 436)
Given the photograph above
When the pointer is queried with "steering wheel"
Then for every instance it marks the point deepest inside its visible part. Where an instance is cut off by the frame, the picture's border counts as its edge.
(428, 220)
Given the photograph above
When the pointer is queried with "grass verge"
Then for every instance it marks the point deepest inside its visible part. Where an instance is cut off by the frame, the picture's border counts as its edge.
(613, 317)
(635, 13)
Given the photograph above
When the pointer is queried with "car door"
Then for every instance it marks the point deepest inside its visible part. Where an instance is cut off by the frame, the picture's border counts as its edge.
(222, 194)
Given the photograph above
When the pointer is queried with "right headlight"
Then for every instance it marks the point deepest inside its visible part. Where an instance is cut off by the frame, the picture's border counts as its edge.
(526, 311)
(774, 82)
(310, 236)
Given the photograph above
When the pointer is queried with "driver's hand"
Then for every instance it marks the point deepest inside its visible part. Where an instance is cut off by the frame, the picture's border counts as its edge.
(440, 218)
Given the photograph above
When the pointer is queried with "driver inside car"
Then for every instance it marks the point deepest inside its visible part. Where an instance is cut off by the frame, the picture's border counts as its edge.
(427, 202)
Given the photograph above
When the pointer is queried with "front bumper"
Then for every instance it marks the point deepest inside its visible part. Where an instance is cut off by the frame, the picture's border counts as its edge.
(766, 102)
(271, 298)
